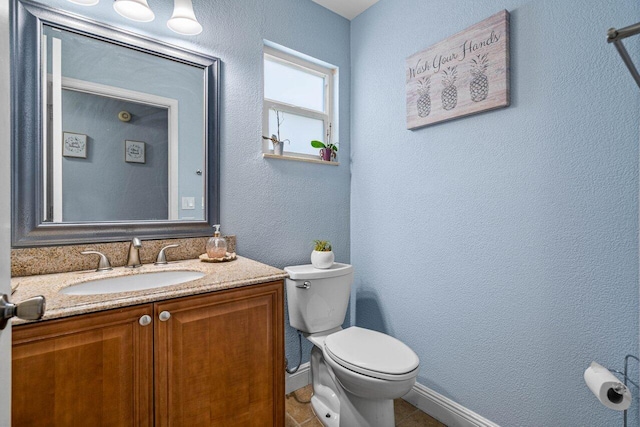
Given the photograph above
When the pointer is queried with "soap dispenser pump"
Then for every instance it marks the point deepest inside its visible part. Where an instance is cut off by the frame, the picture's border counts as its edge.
(216, 246)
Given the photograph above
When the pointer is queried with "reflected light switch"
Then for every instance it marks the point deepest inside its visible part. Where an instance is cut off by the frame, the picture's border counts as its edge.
(188, 203)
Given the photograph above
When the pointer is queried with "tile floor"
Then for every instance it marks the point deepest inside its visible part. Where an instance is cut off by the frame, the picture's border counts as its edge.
(300, 414)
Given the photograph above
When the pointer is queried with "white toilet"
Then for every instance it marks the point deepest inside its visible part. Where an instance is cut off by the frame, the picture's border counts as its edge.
(356, 372)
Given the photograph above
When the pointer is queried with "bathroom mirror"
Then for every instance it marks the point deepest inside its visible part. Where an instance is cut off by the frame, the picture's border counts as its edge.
(114, 134)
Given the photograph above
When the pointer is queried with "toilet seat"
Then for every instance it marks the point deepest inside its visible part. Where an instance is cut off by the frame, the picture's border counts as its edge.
(371, 353)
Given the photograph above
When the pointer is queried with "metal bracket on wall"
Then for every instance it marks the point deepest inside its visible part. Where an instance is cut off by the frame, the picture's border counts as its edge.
(627, 380)
(615, 36)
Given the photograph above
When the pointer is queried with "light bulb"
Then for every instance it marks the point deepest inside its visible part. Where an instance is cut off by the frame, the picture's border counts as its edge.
(85, 2)
(183, 20)
(136, 10)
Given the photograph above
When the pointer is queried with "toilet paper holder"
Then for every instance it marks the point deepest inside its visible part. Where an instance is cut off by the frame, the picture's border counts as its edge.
(625, 374)
(626, 380)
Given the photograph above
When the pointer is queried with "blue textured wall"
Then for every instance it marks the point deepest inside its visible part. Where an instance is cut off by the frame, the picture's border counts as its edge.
(502, 247)
(276, 208)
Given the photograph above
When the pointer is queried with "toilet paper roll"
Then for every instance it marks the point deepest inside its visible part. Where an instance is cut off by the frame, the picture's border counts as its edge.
(609, 390)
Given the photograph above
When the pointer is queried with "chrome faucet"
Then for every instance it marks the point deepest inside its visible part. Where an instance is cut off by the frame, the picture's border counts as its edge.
(103, 262)
(133, 260)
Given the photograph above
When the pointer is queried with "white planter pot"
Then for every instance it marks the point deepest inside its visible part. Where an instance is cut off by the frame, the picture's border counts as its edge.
(322, 259)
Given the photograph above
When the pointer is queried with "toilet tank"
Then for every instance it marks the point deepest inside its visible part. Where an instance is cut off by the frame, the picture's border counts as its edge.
(317, 299)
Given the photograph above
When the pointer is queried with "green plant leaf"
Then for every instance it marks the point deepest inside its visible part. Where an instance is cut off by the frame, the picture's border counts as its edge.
(322, 245)
(317, 144)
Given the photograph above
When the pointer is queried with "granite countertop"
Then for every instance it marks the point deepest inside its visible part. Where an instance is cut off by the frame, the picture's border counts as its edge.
(218, 276)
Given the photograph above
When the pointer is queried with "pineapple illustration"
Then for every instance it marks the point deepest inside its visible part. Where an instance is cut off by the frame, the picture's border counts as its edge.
(424, 102)
(479, 86)
(450, 91)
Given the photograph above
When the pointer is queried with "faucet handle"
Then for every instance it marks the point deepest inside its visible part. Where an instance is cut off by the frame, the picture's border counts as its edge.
(103, 262)
(162, 257)
(136, 242)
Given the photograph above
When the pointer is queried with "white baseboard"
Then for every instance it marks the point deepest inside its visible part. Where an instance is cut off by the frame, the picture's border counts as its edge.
(438, 406)
(301, 378)
(444, 409)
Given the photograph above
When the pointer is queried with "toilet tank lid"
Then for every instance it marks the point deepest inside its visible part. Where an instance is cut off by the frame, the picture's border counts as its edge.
(308, 271)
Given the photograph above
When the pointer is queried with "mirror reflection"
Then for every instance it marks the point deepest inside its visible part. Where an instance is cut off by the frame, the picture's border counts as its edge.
(124, 133)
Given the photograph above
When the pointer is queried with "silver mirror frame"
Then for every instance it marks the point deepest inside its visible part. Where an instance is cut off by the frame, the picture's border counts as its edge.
(28, 230)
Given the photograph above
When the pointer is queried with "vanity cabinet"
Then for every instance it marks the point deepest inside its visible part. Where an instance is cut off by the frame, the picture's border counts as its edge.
(92, 370)
(215, 359)
(220, 359)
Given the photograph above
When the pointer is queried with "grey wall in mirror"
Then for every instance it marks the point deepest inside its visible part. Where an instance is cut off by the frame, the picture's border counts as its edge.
(114, 134)
(100, 180)
(92, 84)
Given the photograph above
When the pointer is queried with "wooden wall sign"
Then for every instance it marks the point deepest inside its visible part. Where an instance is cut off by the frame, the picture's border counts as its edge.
(464, 74)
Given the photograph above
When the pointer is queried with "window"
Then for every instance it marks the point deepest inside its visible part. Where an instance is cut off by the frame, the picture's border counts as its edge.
(298, 102)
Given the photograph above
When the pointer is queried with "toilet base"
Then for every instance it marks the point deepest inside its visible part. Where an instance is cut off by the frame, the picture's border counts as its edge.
(345, 409)
(357, 411)
(324, 402)
(327, 417)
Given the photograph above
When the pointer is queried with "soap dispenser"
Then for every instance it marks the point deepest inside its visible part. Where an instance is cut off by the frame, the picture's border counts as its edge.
(216, 246)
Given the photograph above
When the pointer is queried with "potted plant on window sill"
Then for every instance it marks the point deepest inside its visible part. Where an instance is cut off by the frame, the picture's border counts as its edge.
(322, 255)
(328, 151)
(278, 144)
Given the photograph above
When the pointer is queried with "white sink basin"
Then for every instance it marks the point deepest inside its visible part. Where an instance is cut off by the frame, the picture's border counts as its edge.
(135, 282)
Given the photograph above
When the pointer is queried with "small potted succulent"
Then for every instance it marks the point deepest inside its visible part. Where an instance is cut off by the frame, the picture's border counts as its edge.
(322, 255)
(329, 150)
(278, 144)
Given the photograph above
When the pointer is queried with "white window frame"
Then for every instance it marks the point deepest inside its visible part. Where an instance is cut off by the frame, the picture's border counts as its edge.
(306, 66)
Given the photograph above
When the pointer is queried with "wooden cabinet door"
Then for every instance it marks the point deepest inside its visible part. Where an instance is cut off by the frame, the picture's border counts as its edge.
(220, 359)
(89, 370)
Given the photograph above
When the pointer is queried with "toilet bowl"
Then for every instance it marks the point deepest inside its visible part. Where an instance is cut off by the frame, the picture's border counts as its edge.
(356, 372)
(371, 364)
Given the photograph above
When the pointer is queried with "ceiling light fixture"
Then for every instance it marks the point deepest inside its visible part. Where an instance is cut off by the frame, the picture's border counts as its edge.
(183, 20)
(136, 10)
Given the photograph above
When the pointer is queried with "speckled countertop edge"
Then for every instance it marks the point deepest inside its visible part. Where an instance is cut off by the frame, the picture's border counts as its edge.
(218, 276)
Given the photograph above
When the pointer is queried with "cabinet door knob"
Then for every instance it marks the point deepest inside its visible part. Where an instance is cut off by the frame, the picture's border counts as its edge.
(164, 316)
(145, 320)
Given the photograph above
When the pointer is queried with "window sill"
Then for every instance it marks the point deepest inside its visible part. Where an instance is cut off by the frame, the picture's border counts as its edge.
(299, 159)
